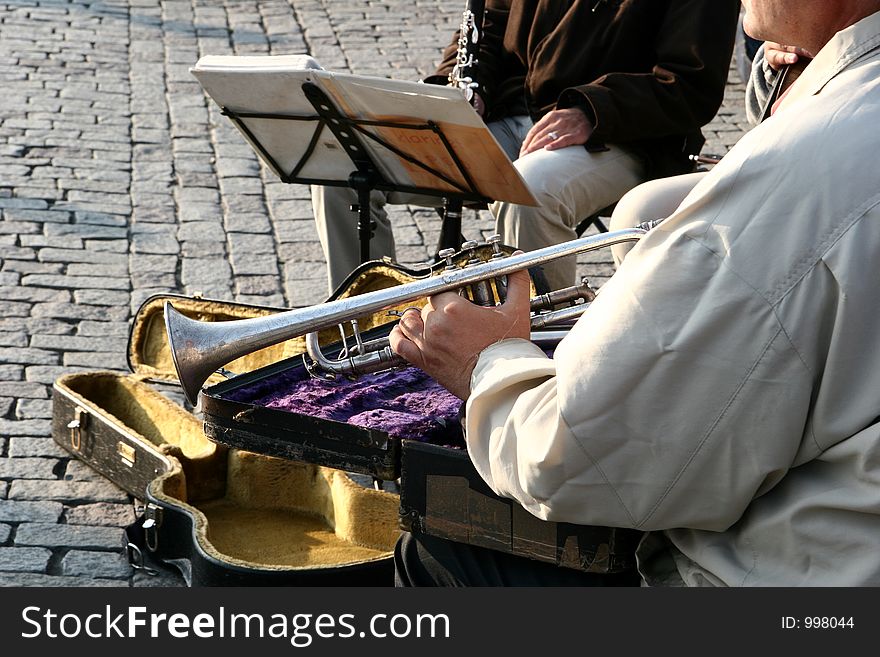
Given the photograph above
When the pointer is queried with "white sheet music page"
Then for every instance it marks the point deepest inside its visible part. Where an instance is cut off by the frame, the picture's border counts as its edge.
(272, 85)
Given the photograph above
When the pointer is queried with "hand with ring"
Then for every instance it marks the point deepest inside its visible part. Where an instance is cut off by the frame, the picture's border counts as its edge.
(558, 129)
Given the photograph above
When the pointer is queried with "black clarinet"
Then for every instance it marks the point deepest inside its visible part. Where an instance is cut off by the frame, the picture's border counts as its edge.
(469, 35)
(462, 76)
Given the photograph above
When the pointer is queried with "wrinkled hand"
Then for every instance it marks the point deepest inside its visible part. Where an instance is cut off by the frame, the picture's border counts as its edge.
(446, 337)
(558, 129)
(779, 56)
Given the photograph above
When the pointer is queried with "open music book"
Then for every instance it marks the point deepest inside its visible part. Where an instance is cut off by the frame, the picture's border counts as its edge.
(264, 95)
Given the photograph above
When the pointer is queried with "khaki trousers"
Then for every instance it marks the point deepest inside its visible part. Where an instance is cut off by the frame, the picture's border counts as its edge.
(655, 199)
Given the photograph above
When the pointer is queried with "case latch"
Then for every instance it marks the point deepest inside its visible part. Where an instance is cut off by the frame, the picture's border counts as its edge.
(77, 426)
(152, 522)
(126, 452)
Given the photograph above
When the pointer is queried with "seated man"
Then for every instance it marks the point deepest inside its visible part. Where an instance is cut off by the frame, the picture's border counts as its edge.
(591, 97)
(721, 391)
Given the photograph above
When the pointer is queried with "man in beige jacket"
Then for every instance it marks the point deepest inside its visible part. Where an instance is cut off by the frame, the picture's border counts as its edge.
(721, 392)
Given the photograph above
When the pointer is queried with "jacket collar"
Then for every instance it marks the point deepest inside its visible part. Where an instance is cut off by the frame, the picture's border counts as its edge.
(844, 48)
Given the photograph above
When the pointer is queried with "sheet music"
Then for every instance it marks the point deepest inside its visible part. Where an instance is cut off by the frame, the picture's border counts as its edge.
(273, 85)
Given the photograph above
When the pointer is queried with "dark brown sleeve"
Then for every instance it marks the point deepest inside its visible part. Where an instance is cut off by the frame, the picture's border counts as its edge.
(685, 88)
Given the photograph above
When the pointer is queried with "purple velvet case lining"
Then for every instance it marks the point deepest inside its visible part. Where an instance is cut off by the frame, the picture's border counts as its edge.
(403, 403)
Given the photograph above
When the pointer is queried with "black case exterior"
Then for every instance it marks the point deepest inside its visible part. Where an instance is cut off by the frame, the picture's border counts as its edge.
(443, 495)
(171, 539)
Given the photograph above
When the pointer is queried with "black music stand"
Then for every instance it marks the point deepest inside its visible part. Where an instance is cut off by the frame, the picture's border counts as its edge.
(316, 127)
(366, 176)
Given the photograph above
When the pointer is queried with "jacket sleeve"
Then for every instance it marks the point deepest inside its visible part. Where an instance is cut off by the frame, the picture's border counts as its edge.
(682, 92)
(490, 52)
(673, 402)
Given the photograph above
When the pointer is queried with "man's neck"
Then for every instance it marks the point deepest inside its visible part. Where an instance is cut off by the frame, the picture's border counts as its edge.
(834, 17)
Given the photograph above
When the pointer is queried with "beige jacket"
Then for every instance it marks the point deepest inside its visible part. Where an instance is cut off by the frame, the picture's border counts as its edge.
(723, 391)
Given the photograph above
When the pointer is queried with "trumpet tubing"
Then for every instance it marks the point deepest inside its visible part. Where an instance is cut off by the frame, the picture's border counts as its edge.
(200, 348)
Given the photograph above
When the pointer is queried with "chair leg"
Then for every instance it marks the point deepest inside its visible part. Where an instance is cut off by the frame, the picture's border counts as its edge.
(592, 220)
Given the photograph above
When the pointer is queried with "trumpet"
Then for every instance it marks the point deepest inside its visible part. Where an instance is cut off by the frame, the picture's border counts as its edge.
(198, 348)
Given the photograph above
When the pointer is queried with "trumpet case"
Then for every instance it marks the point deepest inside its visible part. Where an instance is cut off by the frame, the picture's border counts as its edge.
(219, 515)
(398, 426)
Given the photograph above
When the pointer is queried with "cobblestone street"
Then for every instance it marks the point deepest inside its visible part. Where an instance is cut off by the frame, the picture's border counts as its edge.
(120, 179)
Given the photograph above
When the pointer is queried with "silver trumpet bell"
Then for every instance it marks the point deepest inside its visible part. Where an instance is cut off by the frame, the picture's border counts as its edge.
(200, 348)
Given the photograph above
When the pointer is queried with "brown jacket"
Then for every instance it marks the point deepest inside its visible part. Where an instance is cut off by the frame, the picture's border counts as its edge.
(648, 73)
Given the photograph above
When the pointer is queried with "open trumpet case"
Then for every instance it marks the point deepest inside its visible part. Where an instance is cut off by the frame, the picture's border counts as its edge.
(220, 515)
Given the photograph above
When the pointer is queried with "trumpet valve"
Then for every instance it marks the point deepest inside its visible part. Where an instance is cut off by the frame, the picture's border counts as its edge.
(495, 242)
(447, 254)
(481, 292)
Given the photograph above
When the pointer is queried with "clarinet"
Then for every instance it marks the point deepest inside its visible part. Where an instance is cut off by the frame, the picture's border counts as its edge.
(462, 75)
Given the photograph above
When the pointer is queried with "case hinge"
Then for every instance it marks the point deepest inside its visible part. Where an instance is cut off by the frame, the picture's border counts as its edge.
(77, 426)
(152, 521)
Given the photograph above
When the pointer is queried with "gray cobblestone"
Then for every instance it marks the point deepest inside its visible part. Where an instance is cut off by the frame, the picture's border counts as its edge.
(80, 471)
(31, 267)
(31, 325)
(40, 512)
(44, 446)
(24, 559)
(48, 373)
(85, 231)
(101, 298)
(21, 389)
(14, 309)
(27, 468)
(72, 536)
(79, 343)
(93, 328)
(117, 271)
(101, 513)
(45, 581)
(29, 409)
(23, 203)
(95, 564)
(154, 243)
(33, 294)
(8, 339)
(69, 492)
(66, 282)
(102, 360)
(69, 311)
(5, 530)
(37, 356)
(11, 373)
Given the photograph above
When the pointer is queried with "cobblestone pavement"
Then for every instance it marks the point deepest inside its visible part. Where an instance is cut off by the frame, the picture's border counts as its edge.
(119, 180)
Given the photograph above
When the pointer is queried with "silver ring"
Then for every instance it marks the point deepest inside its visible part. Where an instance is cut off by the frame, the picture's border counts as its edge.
(553, 135)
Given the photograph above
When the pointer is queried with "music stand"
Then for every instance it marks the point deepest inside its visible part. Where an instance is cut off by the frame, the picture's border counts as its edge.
(316, 127)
